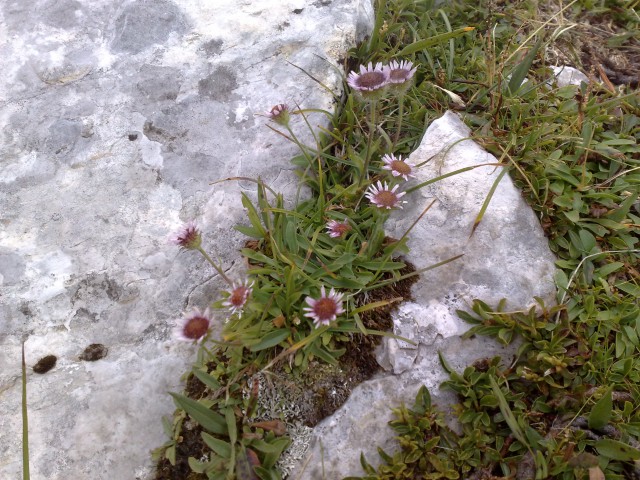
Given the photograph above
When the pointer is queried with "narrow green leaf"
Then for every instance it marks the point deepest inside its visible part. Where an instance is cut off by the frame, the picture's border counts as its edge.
(487, 200)
(542, 470)
(249, 231)
(365, 465)
(380, 266)
(25, 421)
(290, 235)
(588, 240)
(423, 401)
(220, 447)
(601, 411)
(616, 450)
(321, 353)
(271, 339)
(196, 466)
(344, 259)
(272, 449)
(608, 269)
(230, 418)
(520, 72)
(629, 288)
(348, 283)
(252, 213)
(207, 379)
(441, 177)
(170, 454)
(207, 418)
(620, 213)
(259, 257)
(431, 41)
(374, 305)
(445, 364)
(507, 413)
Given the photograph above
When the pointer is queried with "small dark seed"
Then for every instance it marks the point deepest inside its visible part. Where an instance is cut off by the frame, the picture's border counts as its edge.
(45, 364)
(94, 352)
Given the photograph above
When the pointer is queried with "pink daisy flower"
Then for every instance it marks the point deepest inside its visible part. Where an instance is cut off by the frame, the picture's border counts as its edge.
(280, 114)
(371, 79)
(325, 309)
(398, 167)
(384, 197)
(400, 72)
(193, 327)
(240, 293)
(188, 237)
(337, 229)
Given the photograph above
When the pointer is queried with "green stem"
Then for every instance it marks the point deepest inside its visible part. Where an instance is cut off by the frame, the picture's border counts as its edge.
(214, 265)
(372, 127)
(399, 123)
(25, 422)
(304, 150)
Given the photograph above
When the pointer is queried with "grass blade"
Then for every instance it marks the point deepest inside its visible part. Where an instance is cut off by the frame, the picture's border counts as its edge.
(520, 72)
(207, 418)
(25, 422)
(486, 202)
(508, 415)
(435, 40)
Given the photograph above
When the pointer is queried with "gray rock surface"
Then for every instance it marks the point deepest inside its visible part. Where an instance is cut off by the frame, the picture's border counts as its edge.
(507, 257)
(116, 117)
(569, 76)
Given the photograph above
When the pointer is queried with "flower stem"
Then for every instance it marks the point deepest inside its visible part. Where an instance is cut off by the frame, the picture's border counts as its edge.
(213, 264)
(25, 422)
(399, 123)
(305, 152)
(303, 148)
(372, 127)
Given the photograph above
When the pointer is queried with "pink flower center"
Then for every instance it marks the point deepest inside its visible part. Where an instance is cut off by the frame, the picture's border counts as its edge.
(386, 199)
(196, 328)
(190, 238)
(341, 228)
(325, 308)
(401, 167)
(398, 75)
(371, 80)
(239, 296)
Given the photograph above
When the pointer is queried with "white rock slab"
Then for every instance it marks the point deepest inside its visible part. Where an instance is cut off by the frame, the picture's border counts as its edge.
(507, 257)
(566, 75)
(116, 116)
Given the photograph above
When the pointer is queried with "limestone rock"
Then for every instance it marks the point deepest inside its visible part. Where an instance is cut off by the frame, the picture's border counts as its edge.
(506, 257)
(116, 117)
(569, 76)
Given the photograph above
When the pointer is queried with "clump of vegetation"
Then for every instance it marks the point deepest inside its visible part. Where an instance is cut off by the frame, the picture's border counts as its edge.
(566, 407)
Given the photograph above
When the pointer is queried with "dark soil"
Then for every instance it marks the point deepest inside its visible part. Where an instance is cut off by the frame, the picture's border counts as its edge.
(605, 46)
